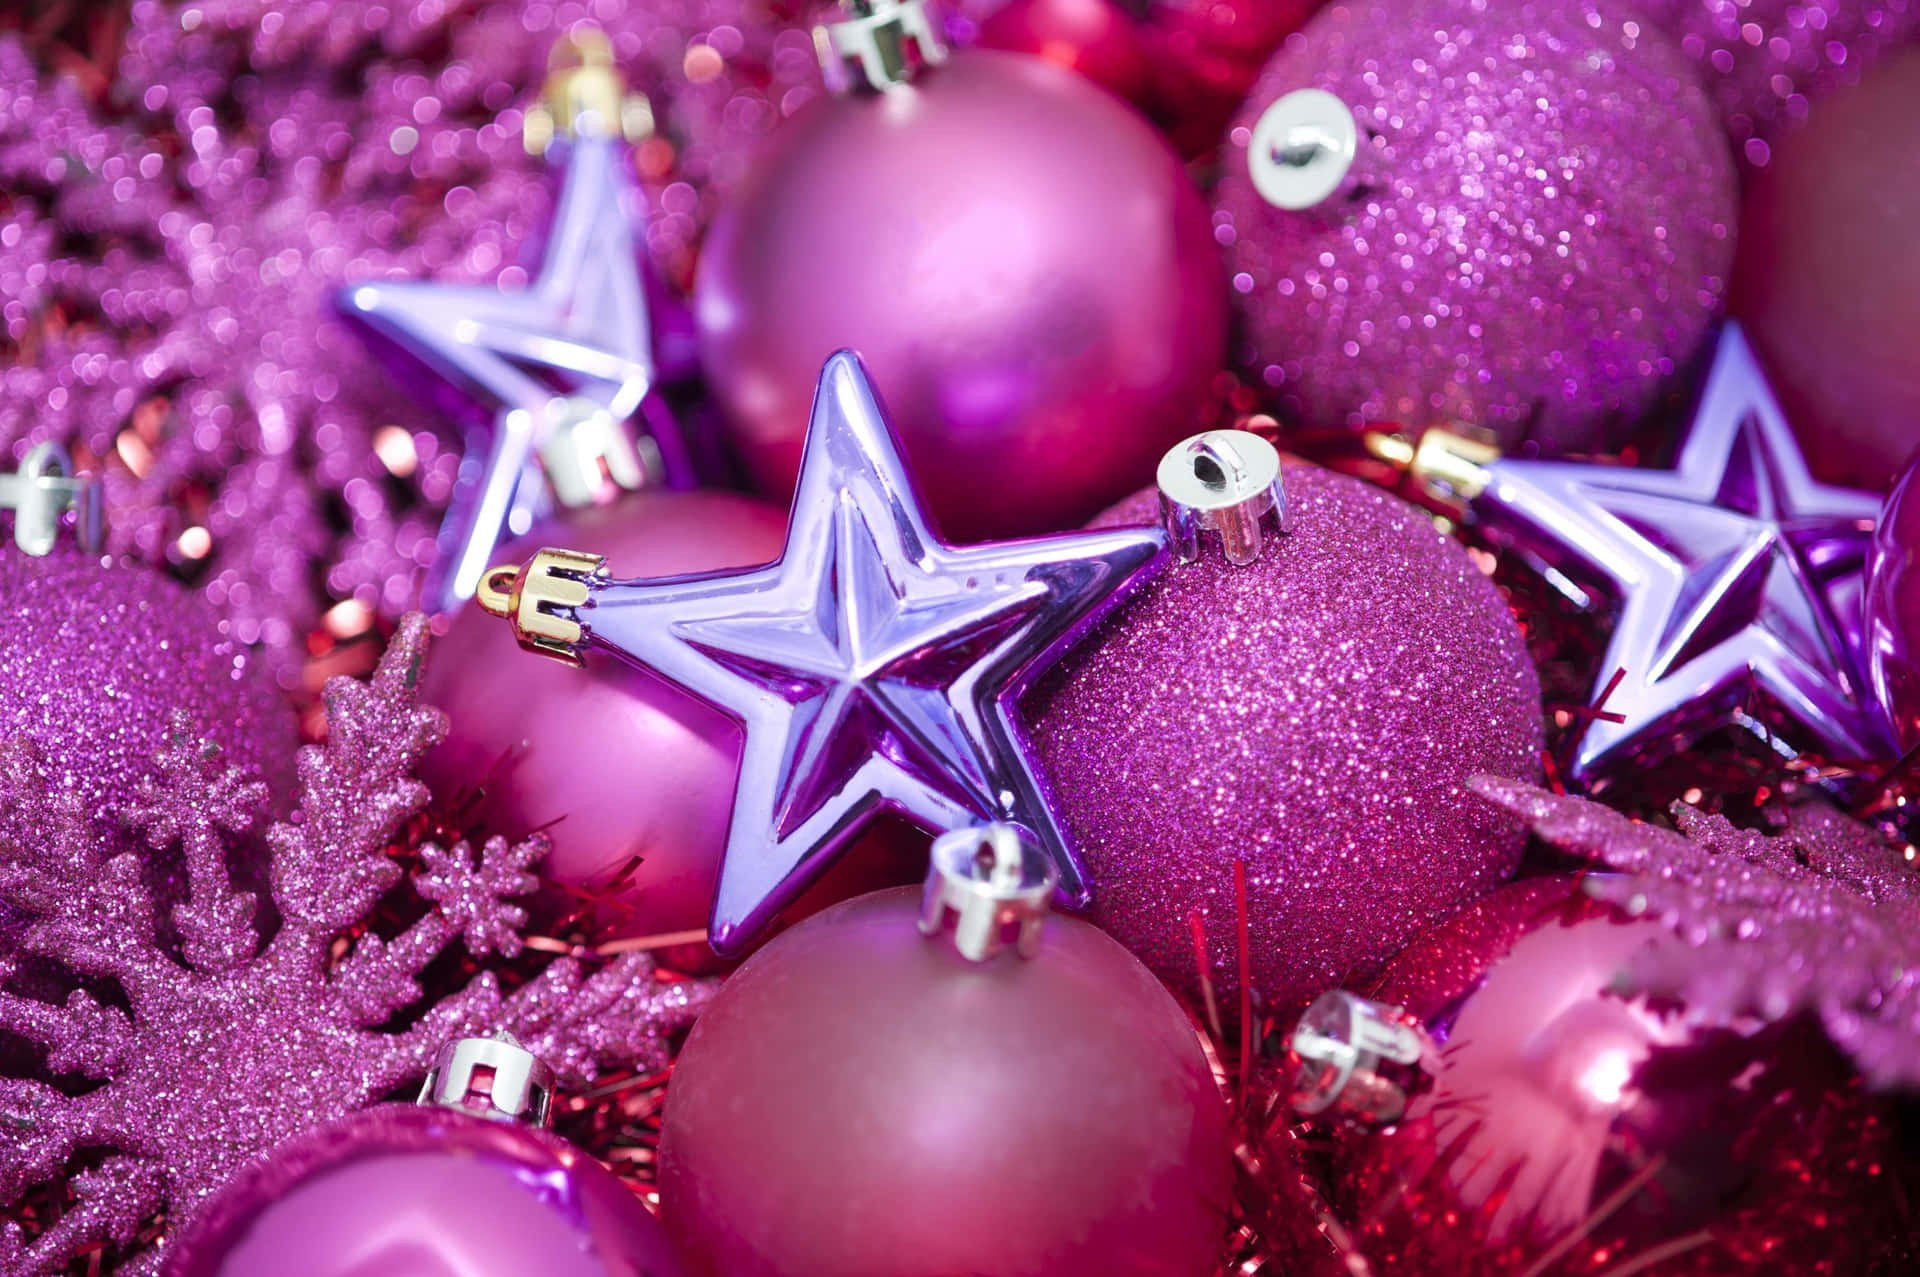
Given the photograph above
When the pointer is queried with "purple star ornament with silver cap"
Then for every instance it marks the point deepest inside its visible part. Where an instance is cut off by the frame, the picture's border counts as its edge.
(873, 666)
(545, 380)
(1732, 571)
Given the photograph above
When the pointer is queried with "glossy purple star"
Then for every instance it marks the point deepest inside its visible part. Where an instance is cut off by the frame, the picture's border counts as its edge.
(1733, 566)
(872, 666)
(513, 367)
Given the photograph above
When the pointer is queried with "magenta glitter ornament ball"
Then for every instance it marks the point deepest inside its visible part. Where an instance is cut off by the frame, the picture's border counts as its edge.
(1558, 1126)
(1515, 214)
(862, 1100)
(1828, 278)
(1019, 258)
(1313, 714)
(614, 764)
(398, 1191)
(95, 661)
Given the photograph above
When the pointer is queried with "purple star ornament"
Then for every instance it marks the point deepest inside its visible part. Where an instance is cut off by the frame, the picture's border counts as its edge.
(1734, 569)
(873, 667)
(546, 380)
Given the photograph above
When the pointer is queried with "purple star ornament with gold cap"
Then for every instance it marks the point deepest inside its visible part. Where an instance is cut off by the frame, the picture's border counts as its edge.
(547, 382)
(873, 667)
(1733, 571)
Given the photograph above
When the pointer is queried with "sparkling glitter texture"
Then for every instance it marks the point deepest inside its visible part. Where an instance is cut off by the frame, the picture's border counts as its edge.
(93, 661)
(1763, 61)
(163, 276)
(1535, 233)
(1314, 714)
(1822, 917)
(207, 1054)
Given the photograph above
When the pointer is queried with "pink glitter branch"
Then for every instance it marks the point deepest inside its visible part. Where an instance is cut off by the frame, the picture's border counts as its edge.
(1822, 918)
(228, 1047)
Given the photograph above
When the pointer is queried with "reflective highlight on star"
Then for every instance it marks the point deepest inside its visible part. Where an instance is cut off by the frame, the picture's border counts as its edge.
(1733, 571)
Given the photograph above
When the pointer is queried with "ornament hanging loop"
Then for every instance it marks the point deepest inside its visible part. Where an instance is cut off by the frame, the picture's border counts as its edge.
(1355, 1056)
(1302, 149)
(540, 600)
(1224, 483)
(994, 882)
(889, 41)
(494, 1077)
(42, 493)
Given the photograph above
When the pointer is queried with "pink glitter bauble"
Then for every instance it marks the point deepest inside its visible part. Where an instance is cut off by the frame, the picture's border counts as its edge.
(611, 762)
(1557, 1110)
(1828, 277)
(1765, 61)
(1019, 258)
(1313, 714)
(860, 1100)
(1534, 234)
(1893, 608)
(400, 1191)
(96, 660)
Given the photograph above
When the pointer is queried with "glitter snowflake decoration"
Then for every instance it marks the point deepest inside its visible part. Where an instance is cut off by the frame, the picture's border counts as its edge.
(219, 1045)
(1823, 917)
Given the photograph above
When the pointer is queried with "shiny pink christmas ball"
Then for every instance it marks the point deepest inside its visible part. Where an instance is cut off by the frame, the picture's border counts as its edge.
(1312, 714)
(1533, 235)
(862, 1101)
(400, 1191)
(1767, 62)
(95, 660)
(1556, 1111)
(1098, 38)
(1020, 259)
(1207, 54)
(614, 764)
(1893, 608)
(1828, 278)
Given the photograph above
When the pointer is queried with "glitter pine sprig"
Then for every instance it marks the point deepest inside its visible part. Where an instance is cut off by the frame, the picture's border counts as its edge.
(1823, 917)
(195, 1054)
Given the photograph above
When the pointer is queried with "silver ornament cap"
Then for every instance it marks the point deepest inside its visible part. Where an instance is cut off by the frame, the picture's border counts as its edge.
(1223, 484)
(41, 495)
(1302, 148)
(1354, 1056)
(586, 448)
(879, 45)
(994, 885)
(493, 1077)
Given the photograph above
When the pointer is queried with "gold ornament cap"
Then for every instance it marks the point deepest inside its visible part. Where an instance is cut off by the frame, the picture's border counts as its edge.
(585, 95)
(542, 598)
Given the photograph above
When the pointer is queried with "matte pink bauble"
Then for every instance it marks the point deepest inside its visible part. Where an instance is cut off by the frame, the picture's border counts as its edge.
(861, 1101)
(1828, 278)
(1021, 261)
(1556, 1111)
(1509, 248)
(400, 1191)
(1766, 62)
(612, 762)
(1313, 714)
(1893, 608)
(95, 660)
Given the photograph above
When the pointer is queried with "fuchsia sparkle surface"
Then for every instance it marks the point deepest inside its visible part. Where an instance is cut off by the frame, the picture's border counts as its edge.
(1316, 714)
(1535, 234)
(225, 1043)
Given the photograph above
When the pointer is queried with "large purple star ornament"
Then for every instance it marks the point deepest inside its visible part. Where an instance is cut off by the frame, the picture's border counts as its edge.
(546, 382)
(1731, 572)
(873, 667)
